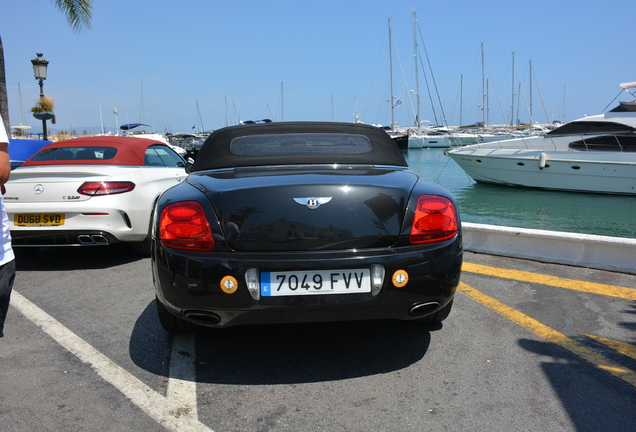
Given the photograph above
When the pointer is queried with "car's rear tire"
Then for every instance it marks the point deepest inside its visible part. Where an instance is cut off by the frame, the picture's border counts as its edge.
(172, 323)
(437, 317)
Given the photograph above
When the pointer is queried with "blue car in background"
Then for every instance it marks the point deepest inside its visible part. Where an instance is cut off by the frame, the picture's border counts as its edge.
(22, 149)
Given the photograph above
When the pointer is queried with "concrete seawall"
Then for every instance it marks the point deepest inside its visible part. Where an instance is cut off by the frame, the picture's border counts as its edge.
(584, 250)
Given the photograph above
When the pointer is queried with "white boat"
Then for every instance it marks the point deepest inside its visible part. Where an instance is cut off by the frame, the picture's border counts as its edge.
(429, 136)
(592, 154)
(452, 139)
(127, 131)
(429, 140)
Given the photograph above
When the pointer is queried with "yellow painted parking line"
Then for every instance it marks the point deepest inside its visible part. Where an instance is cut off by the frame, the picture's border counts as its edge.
(551, 335)
(589, 287)
(621, 347)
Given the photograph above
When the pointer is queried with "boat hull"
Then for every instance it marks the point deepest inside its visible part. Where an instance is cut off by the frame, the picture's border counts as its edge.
(615, 173)
(452, 140)
(428, 141)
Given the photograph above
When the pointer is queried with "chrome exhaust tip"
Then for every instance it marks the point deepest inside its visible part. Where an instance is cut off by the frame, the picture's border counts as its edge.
(95, 239)
(424, 308)
(84, 239)
(202, 317)
(99, 239)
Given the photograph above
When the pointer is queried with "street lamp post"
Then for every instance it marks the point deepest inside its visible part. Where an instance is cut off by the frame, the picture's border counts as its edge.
(39, 70)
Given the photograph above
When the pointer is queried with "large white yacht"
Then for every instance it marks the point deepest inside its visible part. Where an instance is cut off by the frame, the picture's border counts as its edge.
(592, 154)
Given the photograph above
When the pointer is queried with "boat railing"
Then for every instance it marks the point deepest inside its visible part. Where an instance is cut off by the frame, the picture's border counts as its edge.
(619, 143)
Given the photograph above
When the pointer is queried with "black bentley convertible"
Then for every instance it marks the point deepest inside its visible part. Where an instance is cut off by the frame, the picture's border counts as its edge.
(303, 222)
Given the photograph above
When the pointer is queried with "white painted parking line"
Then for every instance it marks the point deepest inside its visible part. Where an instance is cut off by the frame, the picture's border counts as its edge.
(170, 413)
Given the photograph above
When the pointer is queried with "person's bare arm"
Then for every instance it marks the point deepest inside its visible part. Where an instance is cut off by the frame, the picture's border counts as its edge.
(5, 166)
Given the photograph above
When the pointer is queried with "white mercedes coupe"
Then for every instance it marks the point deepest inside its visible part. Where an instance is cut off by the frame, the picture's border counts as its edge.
(90, 191)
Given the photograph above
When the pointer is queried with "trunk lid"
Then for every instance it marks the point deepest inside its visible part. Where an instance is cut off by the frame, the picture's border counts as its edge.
(308, 208)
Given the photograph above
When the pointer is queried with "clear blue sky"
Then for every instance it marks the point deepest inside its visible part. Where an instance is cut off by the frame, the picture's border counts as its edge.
(328, 56)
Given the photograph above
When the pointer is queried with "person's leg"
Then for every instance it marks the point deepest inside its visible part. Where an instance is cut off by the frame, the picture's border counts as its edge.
(7, 275)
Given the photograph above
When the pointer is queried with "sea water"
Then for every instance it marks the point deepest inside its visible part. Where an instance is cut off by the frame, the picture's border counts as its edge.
(575, 212)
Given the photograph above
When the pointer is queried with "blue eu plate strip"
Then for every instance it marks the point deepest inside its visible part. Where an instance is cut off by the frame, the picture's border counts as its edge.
(266, 288)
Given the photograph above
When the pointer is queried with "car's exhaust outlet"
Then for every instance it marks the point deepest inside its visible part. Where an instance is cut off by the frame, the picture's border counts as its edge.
(202, 317)
(99, 239)
(95, 239)
(84, 239)
(424, 308)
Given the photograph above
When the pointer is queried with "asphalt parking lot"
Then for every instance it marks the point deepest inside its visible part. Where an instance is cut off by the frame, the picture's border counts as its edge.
(528, 346)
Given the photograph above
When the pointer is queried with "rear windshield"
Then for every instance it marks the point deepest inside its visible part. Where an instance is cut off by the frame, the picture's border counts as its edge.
(75, 153)
(299, 144)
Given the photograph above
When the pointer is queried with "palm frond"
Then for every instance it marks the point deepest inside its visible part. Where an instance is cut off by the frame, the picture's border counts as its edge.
(78, 12)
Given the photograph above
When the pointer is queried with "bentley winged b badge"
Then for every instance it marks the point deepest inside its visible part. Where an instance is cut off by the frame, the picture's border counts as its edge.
(313, 202)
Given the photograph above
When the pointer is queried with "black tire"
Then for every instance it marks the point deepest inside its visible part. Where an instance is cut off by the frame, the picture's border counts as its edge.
(437, 317)
(172, 323)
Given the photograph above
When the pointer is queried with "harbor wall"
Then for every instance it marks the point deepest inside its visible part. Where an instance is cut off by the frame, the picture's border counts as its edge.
(583, 250)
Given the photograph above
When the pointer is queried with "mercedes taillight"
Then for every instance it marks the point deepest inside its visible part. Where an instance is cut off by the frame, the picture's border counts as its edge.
(105, 188)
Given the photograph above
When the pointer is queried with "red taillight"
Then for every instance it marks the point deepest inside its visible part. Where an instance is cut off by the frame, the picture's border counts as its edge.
(435, 219)
(184, 226)
(105, 188)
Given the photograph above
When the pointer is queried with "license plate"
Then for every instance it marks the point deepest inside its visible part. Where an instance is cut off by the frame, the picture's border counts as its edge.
(38, 219)
(294, 283)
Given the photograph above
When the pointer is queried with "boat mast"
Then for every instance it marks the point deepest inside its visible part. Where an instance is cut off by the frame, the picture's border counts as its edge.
(142, 114)
(226, 112)
(282, 102)
(531, 121)
(487, 105)
(391, 75)
(512, 105)
(199, 119)
(565, 118)
(461, 98)
(333, 109)
(417, 83)
(483, 89)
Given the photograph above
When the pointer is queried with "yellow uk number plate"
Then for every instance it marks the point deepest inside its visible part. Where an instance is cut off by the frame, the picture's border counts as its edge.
(38, 219)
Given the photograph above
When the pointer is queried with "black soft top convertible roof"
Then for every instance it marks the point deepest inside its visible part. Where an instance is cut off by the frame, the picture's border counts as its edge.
(217, 151)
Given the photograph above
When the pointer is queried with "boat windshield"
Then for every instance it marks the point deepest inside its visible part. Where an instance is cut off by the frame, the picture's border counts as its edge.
(625, 107)
(607, 143)
(591, 128)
